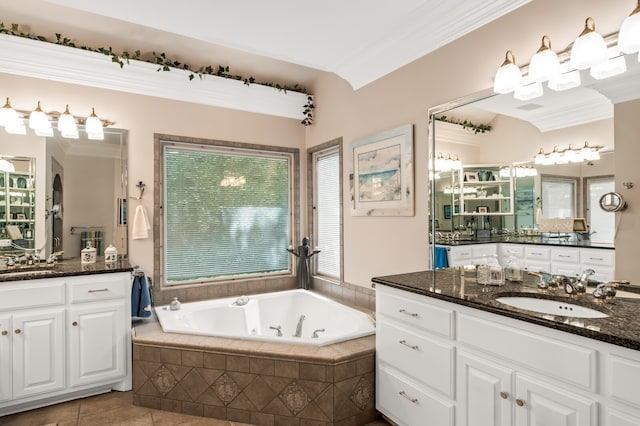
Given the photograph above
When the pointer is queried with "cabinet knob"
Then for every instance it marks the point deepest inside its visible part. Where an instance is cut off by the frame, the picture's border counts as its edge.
(519, 402)
(504, 395)
(5, 332)
(18, 331)
(75, 323)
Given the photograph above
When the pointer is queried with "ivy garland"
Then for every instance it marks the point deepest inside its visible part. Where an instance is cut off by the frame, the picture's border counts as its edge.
(166, 64)
(476, 128)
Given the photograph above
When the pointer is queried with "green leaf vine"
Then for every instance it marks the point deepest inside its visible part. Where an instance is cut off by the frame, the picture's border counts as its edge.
(476, 128)
(167, 64)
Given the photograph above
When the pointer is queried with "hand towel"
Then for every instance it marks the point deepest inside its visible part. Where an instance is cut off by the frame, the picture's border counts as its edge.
(140, 297)
(141, 225)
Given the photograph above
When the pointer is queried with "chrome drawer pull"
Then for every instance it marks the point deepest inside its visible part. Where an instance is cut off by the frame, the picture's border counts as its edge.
(563, 255)
(100, 289)
(404, 342)
(412, 314)
(414, 400)
(596, 258)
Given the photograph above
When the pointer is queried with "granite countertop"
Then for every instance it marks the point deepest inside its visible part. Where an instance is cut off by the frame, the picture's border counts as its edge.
(458, 285)
(534, 240)
(64, 268)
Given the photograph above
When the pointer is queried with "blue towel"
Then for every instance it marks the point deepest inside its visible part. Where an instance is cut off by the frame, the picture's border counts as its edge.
(140, 297)
(441, 258)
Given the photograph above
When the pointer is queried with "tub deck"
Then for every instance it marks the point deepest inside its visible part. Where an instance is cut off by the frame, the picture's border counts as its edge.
(252, 381)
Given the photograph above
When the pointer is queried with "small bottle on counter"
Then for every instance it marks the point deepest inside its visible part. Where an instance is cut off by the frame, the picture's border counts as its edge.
(513, 272)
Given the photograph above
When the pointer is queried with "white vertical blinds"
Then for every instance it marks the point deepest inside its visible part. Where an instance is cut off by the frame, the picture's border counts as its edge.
(327, 206)
(226, 213)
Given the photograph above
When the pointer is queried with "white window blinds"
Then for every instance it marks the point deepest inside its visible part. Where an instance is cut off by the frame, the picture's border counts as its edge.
(328, 213)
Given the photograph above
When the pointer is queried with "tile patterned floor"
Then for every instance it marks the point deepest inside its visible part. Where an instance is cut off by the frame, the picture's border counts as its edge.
(114, 408)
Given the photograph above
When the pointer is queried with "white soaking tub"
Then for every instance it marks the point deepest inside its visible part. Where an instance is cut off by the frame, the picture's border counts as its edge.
(273, 317)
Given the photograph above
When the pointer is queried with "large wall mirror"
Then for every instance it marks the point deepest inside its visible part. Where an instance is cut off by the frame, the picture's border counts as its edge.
(496, 182)
(59, 193)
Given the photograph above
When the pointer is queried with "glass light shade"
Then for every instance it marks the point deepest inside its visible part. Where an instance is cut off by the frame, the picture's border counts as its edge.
(629, 35)
(589, 49)
(38, 119)
(565, 81)
(528, 91)
(93, 124)
(16, 127)
(508, 76)
(540, 157)
(8, 115)
(66, 123)
(45, 131)
(609, 68)
(544, 64)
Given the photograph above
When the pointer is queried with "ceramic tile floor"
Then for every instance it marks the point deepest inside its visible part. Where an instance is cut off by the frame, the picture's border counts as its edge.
(114, 408)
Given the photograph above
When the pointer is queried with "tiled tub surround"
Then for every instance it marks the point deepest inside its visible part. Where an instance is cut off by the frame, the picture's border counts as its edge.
(253, 382)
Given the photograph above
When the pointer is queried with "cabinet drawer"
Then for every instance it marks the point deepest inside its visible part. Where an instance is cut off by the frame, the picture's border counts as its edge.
(480, 250)
(394, 304)
(572, 364)
(624, 378)
(593, 257)
(537, 253)
(413, 354)
(31, 294)
(459, 256)
(94, 288)
(565, 255)
(507, 250)
(408, 404)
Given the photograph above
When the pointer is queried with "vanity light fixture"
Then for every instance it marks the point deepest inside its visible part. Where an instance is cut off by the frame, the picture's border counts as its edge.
(629, 36)
(544, 64)
(603, 55)
(41, 122)
(589, 48)
(568, 155)
(446, 164)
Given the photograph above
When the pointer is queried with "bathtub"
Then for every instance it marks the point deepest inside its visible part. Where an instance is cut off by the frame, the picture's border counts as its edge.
(271, 317)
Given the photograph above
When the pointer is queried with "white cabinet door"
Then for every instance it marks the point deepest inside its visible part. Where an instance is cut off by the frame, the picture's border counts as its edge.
(485, 396)
(6, 381)
(38, 352)
(541, 404)
(97, 342)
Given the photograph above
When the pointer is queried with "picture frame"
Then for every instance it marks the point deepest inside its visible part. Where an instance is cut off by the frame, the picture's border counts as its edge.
(21, 216)
(447, 211)
(471, 177)
(381, 173)
(482, 209)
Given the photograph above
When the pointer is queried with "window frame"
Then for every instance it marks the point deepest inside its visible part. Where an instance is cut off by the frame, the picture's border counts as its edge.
(577, 204)
(162, 141)
(325, 149)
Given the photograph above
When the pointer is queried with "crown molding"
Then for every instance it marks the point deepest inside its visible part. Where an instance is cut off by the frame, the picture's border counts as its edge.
(49, 61)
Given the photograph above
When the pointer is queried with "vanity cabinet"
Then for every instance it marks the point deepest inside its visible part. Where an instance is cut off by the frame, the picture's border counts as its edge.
(63, 336)
(502, 371)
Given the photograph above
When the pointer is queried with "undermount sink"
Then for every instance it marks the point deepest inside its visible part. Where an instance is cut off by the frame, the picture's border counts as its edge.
(552, 307)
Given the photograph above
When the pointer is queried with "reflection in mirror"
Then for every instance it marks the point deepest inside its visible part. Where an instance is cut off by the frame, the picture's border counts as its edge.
(504, 188)
(61, 191)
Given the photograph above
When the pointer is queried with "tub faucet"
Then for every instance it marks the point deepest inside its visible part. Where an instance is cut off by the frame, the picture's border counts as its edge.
(299, 326)
(241, 301)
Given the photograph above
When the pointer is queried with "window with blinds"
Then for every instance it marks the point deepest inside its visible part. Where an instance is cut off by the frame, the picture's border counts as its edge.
(226, 213)
(328, 212)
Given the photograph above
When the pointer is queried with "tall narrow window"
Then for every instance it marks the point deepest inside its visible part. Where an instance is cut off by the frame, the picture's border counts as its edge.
(328, 211)
(226, 212)
(601, 223)
(559, 196)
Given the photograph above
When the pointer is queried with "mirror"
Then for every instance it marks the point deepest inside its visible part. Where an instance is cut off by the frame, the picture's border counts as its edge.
(77, 192)
(524, 197)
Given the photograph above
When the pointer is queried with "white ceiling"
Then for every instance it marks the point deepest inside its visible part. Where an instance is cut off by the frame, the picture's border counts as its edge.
(359, 40)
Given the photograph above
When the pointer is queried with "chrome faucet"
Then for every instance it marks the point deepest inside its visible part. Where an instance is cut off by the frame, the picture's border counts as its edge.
(241, 301)
(604, 290)
(299, 326)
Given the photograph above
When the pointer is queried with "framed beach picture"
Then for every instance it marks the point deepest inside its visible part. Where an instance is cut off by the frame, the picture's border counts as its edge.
(471, 176)
(381, 176)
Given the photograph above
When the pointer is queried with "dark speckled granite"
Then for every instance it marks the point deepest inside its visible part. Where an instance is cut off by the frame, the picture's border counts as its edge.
(457, 285)
(534, 240)
(64, 268)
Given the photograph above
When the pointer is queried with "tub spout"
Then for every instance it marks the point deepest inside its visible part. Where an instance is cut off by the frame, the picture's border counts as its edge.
(241, 301)
(299, 326)
(278, 330)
